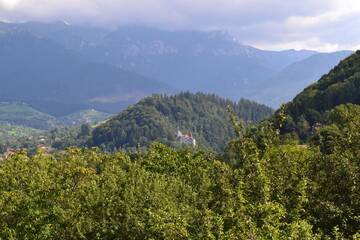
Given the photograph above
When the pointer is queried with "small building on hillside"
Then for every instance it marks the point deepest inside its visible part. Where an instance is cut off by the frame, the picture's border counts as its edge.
(187, 139)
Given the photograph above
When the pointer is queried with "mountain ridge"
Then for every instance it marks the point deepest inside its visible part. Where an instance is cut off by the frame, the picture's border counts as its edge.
(186, 60)
(191, 60)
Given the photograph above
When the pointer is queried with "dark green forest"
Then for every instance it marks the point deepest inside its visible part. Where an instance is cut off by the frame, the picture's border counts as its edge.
(157, 118)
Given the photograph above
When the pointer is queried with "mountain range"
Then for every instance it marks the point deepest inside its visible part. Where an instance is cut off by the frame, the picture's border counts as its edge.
(59, 81)
(61, 69)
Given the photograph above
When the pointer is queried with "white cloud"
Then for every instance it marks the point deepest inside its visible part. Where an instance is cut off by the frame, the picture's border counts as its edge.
(8, 4)
(336, 28)
(313, 43)
(322, 24)
(165, 12)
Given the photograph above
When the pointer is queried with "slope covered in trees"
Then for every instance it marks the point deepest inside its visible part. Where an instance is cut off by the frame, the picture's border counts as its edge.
(286, 84)
(340, 86)
(157, 118)
(263, 186)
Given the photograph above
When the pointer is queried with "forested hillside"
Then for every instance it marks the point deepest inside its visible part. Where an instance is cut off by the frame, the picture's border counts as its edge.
(341, 85)
(263, 185)
(157, 118)
(286, 84)
(253, 174)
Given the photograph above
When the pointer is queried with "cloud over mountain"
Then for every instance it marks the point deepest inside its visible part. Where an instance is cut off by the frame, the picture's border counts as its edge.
(325, 25)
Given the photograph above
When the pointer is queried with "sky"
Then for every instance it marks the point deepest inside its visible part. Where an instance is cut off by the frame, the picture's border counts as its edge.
(323, 25)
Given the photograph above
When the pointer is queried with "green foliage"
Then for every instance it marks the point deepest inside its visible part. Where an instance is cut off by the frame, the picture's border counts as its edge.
(335, 172)
(157, 118)
(265, 185)
(158, 194)
(261, 188)
(317, 184)
(72, 136)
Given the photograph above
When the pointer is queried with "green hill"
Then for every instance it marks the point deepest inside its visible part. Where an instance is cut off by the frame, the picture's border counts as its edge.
(340, 86)
(12, 133)
(157, 118)
(20, 122)
(17, 113)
